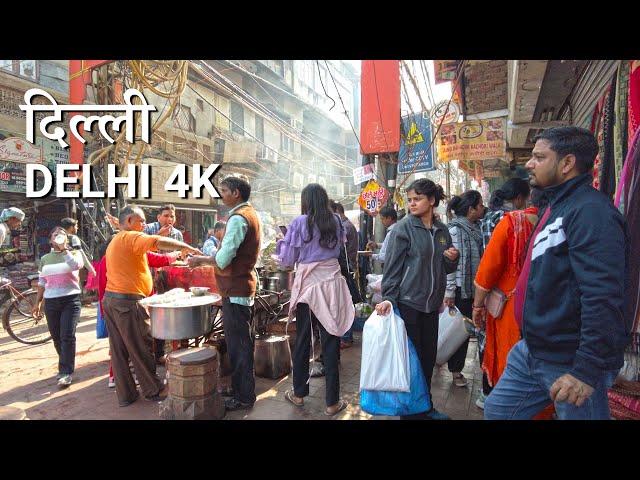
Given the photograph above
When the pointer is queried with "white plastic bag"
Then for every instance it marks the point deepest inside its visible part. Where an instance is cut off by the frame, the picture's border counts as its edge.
(374, 283)
(451, 334)
(385, 354)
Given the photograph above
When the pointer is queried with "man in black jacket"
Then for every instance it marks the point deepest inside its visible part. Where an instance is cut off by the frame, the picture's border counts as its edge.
(570, 295)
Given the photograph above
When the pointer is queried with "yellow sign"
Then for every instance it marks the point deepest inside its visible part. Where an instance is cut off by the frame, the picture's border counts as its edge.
(414, 136)
(472, 140)
(398, 198)
(373, 197)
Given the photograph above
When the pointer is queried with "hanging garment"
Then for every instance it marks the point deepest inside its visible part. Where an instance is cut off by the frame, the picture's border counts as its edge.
(634, 99)
(607, 168)
(620, 140)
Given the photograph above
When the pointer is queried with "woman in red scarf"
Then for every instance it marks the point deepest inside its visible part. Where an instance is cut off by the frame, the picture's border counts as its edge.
(500, 267)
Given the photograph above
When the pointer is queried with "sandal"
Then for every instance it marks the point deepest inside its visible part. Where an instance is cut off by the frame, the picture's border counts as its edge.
(289, 396)
(342, 404)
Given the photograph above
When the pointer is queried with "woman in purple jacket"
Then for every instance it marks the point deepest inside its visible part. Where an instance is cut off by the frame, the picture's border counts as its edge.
(319, 293)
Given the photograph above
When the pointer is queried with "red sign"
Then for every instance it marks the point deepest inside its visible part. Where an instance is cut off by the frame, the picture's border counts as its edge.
(380, 100)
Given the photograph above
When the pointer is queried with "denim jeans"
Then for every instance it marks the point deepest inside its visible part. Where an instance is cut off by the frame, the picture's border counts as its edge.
(523, 390)
(62, 315)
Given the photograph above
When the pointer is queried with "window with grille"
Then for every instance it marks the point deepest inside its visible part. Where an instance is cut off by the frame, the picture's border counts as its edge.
(29, 69)
(237, 118)
(260, 128)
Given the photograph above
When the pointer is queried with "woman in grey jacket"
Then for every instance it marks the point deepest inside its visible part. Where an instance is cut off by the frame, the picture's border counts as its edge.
(418, 258)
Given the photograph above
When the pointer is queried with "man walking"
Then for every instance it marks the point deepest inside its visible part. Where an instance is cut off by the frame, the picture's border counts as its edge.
(570, 294)
(235, 274)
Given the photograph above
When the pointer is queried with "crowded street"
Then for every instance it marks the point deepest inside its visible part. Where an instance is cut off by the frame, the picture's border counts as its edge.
(414, 240)
(28, 383)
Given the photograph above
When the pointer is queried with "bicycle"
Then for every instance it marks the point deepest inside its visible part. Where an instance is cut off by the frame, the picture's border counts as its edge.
(18, 320)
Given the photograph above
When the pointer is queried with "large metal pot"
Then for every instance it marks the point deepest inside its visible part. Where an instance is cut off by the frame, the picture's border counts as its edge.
(170, 322)
(272, 356)
(286, 279)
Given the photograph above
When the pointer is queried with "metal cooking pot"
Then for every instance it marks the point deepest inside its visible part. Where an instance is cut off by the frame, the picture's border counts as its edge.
(182, 322)
(272, 356)
(286, 278)
(274, 284)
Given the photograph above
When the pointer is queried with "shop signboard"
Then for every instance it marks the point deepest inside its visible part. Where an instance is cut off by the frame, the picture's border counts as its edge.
(13, 177)
(472, 140)
(363, 174)
(15, 149)
(415, 144)
(380, 106)
(445, 70)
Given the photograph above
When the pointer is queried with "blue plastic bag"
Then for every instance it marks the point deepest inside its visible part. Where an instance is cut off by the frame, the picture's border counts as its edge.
(400, 403)
(101, 326)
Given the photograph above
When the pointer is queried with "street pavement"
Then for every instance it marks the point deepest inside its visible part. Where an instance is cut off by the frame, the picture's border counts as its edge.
(28, 382)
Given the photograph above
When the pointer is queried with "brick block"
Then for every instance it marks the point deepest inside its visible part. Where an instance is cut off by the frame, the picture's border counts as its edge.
(190, 387)
(210, 407)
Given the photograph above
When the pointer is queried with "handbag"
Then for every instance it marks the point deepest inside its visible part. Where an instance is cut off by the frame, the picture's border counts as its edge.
(495, 301)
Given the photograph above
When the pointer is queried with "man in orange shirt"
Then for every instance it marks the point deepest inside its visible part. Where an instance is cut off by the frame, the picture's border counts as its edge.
(129, 280)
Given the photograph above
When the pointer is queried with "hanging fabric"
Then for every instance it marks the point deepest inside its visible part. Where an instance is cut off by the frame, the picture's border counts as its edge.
(607, 168)
(597, 129)
(620, 145)
(634, 99)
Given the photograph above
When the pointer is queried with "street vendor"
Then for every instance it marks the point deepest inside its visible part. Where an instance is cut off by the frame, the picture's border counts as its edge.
(235, 274)
(128, 281)
(10, 219)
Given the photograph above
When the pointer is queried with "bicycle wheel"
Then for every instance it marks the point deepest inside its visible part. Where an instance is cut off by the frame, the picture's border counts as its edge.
(24, 327)
(24, 301)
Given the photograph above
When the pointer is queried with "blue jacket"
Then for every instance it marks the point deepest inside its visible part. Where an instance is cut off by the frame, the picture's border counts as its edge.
(573, 310)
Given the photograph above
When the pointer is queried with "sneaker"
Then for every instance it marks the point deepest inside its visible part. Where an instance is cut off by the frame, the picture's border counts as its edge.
(112, 382)
(65, 381)
(459, 380)
(480, 401)
(433, 414)
(232, 404)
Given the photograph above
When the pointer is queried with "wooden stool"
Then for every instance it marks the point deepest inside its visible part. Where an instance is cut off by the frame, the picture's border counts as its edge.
(193, 375)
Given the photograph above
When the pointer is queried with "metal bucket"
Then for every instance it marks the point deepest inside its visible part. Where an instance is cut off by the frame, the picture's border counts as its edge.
(180, 323)
(272, 356)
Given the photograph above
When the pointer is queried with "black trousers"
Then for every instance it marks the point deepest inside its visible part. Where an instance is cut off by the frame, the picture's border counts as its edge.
(465, 305)
(422, 329)
(240, 344)
(62, 315)
(330, 356)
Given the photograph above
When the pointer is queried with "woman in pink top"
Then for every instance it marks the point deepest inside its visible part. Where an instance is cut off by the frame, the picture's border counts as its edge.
(319, 292)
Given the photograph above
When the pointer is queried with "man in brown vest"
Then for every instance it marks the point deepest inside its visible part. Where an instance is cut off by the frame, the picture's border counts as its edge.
(234, 264)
